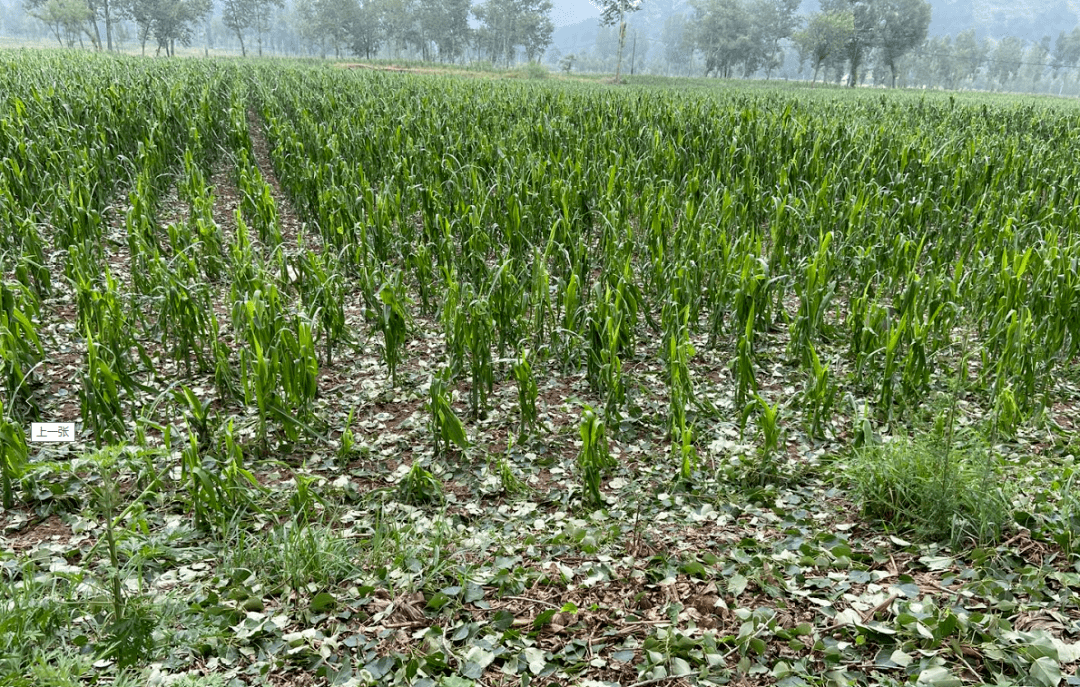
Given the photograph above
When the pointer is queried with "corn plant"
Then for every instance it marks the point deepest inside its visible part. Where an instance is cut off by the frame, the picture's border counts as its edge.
(687, 454)
(224, 375)
(815, 293)
(819, 396)
(258, 377)
(323, 296)
(201, 222)
(13, 457)
(743, 364)
(894, 339)
(348, 440)
(196, 412)
(527, 394)
(20, 349)
(257, 203)
(420, 486)
(394, 323)
(677, 351)
(477, 330)
(182, 324)
(539, 297)
(238, 484)
(446, 427)
(594, 459)
(506, 302)
(205, 492)
(299, 368)
(768, 418)
(99, 396)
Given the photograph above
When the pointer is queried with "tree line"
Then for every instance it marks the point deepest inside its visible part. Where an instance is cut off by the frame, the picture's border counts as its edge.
(433, 30)
(883, 42)
(879, 42)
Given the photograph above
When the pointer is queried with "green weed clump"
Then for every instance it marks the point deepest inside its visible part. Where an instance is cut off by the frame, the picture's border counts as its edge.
(917, 487)
(533, 70)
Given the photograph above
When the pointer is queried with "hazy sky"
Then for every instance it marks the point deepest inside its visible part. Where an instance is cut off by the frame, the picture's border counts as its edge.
(568, 12)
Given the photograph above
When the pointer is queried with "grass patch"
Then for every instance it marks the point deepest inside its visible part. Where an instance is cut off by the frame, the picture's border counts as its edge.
(913, 486)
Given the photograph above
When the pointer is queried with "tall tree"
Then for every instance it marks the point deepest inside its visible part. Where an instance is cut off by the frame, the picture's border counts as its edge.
(1066, 54)
(327, 20)
(613, 13)
(1036, 61)
(1007, 60)
(237, 19)
(263, 12)
(903, 25)
(774, 20)
(364, 29)
(65, 18)
(677, 44)
(168, 21)
(865, 23)
(445, 23)
(970, 54)
(106, 10)
(506, 26)
(826, 35)
(945, 63)
(721, 31)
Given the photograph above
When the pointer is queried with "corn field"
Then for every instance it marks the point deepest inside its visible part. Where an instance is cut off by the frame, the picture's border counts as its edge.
(569, 268)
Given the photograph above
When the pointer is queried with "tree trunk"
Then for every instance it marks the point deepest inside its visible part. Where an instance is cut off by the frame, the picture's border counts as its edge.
(622, 42)
(108, 24)
(96, 37)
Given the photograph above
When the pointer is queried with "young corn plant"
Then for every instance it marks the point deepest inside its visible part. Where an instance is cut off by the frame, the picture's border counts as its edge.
(13, 457)
(677, 351)
(570, 331)
(298, 366)
(815, 293)
(257, 201)
(197, 413)
(224, 375)
(258, 377)
(894, 340)
(768, 418)
(204, 489)
(594, 459)
(539, 298)
(819, 396)
(420, 486)
(182, 318)
(527, 394)
(238, 485)
(743, 364)
(394, 323)
(479, 330)
(446, 427)
(506, 303)
(348, 439)
(20, 350)
(324, 297)
(687, 454)
(99, 396)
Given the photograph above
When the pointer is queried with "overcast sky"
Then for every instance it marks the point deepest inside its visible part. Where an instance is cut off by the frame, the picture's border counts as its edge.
(568, 12)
